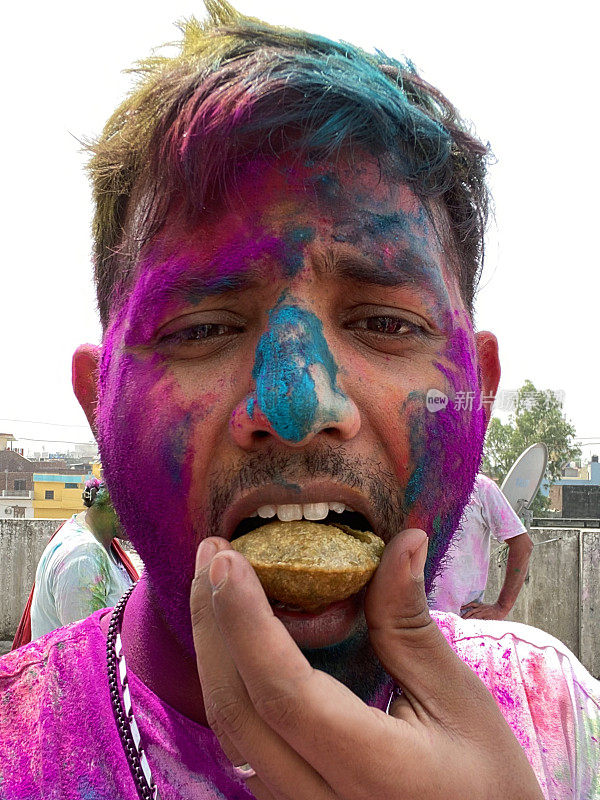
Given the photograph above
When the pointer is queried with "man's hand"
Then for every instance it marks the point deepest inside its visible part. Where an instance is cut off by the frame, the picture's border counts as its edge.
(307, 736)
(483, 611)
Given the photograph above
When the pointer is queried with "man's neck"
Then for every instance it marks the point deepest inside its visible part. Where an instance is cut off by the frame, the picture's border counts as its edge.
(157, 658)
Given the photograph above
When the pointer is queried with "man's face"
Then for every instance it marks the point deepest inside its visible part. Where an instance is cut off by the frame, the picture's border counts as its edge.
(279, 354)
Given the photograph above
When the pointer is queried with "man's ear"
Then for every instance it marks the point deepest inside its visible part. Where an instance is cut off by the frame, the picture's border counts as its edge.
(489, 368)
(86, 361)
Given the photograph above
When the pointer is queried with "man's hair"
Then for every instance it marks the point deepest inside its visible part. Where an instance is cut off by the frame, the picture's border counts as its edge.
(240, 89)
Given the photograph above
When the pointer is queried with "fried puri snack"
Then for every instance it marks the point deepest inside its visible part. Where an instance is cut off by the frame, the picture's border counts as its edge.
(308, 564)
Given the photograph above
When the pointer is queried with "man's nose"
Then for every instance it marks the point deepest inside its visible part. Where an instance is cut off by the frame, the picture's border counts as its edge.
(296, 395)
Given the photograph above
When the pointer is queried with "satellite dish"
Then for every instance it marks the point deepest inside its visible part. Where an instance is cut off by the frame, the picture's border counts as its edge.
(525, 477)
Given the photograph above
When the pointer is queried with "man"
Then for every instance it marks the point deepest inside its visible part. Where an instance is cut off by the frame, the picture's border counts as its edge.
(461, 585)
(82, 569)
(287, 236)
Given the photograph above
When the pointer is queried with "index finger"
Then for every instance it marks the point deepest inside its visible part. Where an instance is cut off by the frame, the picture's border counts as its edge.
(241, 732)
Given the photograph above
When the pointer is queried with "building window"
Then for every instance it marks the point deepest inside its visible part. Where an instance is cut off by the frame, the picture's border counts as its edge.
(71, 485)
(49, 495)
(20, 486)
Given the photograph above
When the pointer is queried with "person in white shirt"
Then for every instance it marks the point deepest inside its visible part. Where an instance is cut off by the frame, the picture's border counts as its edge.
(460, 587)
(82, 568)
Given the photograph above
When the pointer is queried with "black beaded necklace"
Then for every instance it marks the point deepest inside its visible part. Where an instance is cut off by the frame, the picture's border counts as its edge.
(126, 723)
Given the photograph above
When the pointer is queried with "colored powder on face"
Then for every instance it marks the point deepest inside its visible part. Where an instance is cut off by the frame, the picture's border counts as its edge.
(147, 465)
(326, 186)
(294, 487)
(173, 450)
(170, 278)
(293, 243)
(295, 374)
(446, 448)
(402, 248)
(415, 485)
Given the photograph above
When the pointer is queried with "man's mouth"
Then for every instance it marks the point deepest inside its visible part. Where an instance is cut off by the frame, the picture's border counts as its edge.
(327, 513)
(333, 622)
(328, 626)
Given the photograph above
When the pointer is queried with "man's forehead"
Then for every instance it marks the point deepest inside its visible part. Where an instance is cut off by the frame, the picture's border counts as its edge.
(290, 198)
(355, 221)
(357, 177)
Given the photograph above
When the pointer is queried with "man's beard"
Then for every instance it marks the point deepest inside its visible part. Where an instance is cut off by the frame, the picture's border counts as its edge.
(353, 662)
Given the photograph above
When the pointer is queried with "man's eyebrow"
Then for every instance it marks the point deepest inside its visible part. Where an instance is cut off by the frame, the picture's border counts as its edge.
(182, 279)
(410, 269)
(194, 286)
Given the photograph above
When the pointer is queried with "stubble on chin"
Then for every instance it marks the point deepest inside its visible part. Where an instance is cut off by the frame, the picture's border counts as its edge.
(354, 663)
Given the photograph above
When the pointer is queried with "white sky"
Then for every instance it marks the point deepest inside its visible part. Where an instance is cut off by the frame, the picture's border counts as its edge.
(524, 72)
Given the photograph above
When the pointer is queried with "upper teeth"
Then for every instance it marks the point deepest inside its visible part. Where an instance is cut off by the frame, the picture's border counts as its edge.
(291, 511)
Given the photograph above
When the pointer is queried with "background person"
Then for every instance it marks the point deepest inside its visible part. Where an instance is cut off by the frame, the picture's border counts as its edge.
(82, 569)
(461, 585)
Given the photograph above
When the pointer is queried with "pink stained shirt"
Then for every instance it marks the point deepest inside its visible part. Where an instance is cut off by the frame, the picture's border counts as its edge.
(58, 738)
(464, 576)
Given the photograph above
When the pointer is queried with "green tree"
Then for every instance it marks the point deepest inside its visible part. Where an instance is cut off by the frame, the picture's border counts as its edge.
(538, 417)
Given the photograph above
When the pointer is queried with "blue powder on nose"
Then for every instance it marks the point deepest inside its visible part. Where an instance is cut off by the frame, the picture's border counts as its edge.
(285, 391)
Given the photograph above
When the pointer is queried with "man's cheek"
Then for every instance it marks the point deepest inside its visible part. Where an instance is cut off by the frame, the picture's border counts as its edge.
(445, 451)
(144, 433)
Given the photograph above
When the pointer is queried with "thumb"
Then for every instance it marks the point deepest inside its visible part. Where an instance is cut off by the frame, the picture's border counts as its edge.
(406, 640)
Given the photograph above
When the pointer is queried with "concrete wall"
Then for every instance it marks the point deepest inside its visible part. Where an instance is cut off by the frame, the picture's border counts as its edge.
(561, 594)
(22, 542)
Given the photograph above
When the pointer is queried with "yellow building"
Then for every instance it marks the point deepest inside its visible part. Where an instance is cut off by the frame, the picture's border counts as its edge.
(57, 496)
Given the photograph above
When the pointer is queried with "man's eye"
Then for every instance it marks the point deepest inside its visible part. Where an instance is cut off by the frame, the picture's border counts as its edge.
(198, 333)
(391, 326)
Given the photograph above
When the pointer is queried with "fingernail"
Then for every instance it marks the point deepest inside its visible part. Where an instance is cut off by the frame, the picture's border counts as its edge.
(417, 561)
(206, 550)
(219, 570)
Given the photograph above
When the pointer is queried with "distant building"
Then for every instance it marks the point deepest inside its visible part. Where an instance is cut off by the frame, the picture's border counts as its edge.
(577, 496)
(79, 452)
(58, 496)
(5, 438)
(16, 485)
(18, 496)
